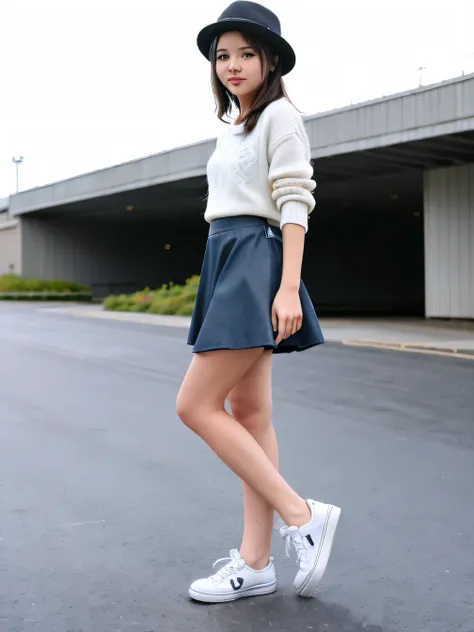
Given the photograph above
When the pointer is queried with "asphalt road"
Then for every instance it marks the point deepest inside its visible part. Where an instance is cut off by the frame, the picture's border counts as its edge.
(109, 507)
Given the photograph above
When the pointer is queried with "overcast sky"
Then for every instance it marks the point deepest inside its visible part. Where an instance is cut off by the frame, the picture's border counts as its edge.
(92, 83)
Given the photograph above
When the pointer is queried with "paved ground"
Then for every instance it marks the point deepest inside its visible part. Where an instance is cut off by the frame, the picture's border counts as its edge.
(410, 334)
(109, 507)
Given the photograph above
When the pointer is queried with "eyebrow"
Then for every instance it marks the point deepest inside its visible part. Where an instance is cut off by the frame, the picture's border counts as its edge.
(224, 50)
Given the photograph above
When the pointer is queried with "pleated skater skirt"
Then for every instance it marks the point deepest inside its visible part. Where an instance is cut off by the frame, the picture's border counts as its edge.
(240, 276)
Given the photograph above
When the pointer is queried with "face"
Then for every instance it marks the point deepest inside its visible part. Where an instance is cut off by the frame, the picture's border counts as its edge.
(238, 66)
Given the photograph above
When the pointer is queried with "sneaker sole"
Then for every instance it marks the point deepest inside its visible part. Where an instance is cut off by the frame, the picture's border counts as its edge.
(254, 591)
(310, 585)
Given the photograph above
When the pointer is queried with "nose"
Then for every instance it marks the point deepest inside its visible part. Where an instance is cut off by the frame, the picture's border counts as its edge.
(234, 64)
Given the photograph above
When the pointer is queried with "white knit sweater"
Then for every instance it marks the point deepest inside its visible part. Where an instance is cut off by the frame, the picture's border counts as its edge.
(265, 173)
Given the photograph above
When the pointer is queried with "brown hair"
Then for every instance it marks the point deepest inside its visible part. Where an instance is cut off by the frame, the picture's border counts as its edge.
(271, 89)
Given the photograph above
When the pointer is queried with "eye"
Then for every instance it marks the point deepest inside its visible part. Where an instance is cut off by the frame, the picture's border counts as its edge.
(222, 57)
(249, 55)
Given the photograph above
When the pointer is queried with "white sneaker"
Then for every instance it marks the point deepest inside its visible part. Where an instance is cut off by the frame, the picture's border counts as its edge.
(234, 580)
(313, 544)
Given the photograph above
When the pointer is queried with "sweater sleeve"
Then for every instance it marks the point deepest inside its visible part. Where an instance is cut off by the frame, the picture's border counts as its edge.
(290, 171)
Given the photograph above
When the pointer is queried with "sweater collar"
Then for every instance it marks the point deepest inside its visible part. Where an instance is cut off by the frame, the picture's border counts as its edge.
(237, 129)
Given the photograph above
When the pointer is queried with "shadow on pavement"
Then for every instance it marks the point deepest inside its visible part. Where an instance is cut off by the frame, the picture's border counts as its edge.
(284, 613)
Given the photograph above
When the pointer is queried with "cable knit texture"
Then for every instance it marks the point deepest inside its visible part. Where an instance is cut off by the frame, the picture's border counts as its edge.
(265, 173)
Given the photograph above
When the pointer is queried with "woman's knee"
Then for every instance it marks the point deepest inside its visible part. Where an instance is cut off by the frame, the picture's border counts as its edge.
(256, 417)
(185, 410)
(193, 412)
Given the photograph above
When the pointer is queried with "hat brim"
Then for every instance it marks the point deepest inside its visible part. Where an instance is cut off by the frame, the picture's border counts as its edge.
(280, 46)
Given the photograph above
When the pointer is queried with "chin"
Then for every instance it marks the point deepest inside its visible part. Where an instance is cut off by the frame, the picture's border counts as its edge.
(242, 92)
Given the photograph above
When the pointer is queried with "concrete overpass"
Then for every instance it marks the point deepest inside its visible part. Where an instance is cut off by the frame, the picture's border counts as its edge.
(393, 229)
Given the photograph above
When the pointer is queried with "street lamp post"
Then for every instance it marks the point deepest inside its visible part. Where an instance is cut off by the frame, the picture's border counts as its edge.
(17, 162)
(420, 75)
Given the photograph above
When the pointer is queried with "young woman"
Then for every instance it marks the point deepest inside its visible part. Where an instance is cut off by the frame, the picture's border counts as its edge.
(251, 302)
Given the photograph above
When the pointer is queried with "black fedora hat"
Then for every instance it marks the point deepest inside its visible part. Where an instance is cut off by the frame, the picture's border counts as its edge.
(255, 19)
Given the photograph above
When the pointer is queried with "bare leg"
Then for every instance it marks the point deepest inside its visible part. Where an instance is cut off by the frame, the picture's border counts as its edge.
(200, 404)
(251, 403)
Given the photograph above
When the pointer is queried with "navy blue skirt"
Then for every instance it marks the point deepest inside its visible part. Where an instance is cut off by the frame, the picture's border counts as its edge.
(241, 274)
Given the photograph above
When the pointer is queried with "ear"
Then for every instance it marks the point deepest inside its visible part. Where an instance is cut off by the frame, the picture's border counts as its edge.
(275, 62)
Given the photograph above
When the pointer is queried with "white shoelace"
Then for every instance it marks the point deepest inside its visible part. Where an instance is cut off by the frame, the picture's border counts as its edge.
(231, 568)
(293, 537)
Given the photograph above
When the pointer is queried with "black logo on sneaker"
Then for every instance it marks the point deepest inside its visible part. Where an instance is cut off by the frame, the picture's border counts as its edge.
(240, 581)
(310, 539)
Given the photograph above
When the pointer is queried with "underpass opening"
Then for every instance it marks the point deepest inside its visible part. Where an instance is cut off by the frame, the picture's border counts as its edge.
(365, 248)
(363, 254)
(120, 243)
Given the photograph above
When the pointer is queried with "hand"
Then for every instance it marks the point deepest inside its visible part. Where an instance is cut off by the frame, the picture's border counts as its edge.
(287, 315)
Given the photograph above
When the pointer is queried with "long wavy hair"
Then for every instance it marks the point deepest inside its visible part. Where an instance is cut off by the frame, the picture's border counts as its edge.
(271, 89)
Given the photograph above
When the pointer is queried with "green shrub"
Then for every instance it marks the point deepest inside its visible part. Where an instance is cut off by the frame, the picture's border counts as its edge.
(170, 299)
(15, 283)
(45, 296)
(185, 310)
(117, 303)
(139, 307)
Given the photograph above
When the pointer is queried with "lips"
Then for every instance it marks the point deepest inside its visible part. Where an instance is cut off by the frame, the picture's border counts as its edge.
(236, 81)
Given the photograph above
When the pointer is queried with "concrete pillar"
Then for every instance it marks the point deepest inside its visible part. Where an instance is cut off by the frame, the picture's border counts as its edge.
(449, 242)
(10, 248)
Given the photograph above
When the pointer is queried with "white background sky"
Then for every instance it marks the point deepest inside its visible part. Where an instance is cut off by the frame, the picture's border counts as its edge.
(92, 83)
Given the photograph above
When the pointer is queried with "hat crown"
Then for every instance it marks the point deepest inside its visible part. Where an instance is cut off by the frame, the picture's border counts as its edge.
(252, 12)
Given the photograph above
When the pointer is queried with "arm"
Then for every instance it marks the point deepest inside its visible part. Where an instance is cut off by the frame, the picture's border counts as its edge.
(290, 175)
(287, 315)
(293, 247)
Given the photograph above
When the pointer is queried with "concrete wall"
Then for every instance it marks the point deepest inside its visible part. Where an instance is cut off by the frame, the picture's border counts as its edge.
(449, 242)
(10, 248)
(112, 258)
